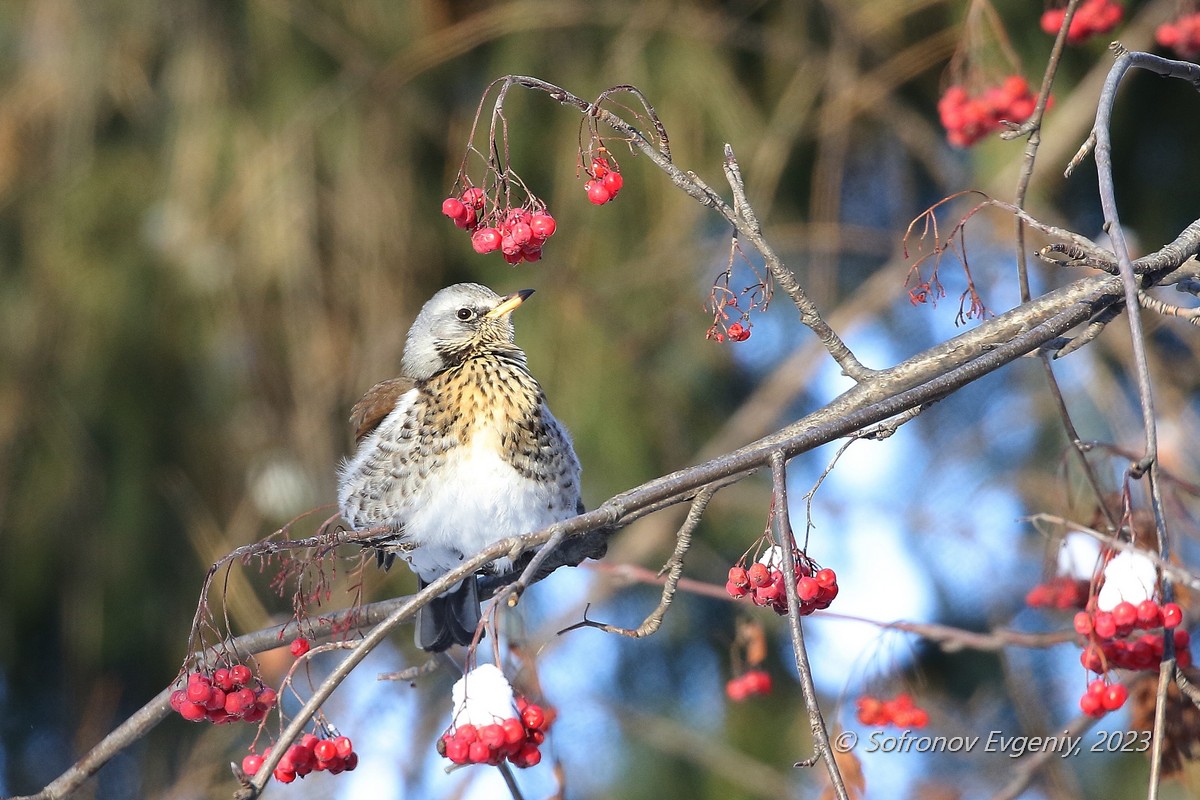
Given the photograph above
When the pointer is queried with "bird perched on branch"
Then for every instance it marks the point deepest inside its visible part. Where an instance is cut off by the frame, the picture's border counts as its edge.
(457, 452)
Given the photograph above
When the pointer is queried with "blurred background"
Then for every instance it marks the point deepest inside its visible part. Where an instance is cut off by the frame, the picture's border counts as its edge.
(218, 217)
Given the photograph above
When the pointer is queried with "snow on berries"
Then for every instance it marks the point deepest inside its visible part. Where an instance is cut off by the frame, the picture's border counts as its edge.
(518, 233)
(334, 754)
(1181, 36)
(763, 583)
(1092, 18)
(604, 180)
(490, 724)
(1128, 577)
(1124, 627)
(968, 118)
(228, 694)
(900, 711)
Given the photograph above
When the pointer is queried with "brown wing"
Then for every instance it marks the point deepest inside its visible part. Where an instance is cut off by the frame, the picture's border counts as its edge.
(376, 404)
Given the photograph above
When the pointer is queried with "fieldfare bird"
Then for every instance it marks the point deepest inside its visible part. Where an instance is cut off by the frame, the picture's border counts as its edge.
(457, 452)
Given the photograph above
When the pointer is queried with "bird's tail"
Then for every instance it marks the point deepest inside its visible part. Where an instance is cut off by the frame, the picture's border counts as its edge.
(449, 619)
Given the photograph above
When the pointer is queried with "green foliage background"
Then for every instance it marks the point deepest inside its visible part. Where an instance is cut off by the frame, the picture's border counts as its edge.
(217, 219)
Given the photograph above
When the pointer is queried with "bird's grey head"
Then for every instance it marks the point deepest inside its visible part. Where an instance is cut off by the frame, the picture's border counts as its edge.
(456, 323)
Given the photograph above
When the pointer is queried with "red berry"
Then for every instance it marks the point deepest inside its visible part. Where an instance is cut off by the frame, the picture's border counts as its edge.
(234, 705)
(300, 646)
(596, 192)
(325, 750)
(478, 753)
(468, 219)
(613, 183)
(299, 754)
(826, 577)
(738, 333)
(757, 682)
(198, 691)
(758, 574)
(486, 240)
(1125, 615)
(600, 167)
(1114, 697)
(492, 736)
(527, 756)
(216, 700)
(240, 674)
(521, 233)
(193, 712)
(533, 716)
(267, 697)
(344, 746)
(543, 225)
(223, 679)
(1083, 623)
(457, 751)
(1172, 615)
(1104, 625)
(284, 775)
(1091, 705)
(807, 589)
(736, 689)
(473, 197)
(454, 208)
(514, 730)
(870, 711)
(251, 763)
(738, 576)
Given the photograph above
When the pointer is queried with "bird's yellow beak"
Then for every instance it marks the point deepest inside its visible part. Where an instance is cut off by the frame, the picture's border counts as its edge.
(509, 304)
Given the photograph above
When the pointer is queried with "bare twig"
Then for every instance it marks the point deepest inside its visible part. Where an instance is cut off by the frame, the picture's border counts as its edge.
(787, 543)
(1190, 315)
(673, 570)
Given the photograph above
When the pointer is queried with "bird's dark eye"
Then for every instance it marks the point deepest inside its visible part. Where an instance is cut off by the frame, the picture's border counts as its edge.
(465, 314)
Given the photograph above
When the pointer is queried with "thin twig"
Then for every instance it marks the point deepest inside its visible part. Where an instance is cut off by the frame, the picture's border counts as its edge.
(673, 570)
(787, 544)
(1190, 315)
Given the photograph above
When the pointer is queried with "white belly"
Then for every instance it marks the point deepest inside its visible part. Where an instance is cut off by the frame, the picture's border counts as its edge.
(475, 500)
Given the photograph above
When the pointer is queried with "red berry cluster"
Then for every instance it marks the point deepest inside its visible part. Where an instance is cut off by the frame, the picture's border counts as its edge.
(311, 754)
(736, 332)
(516, 739)
(1102, 697)
(1092, 18)
(1112, 646)
(1061, 592)
(900, 711)
(1182, 35)
(518, 233)
(748, 684)
(604, 182)
(968, 119)
(764, 586)
(228, 695)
